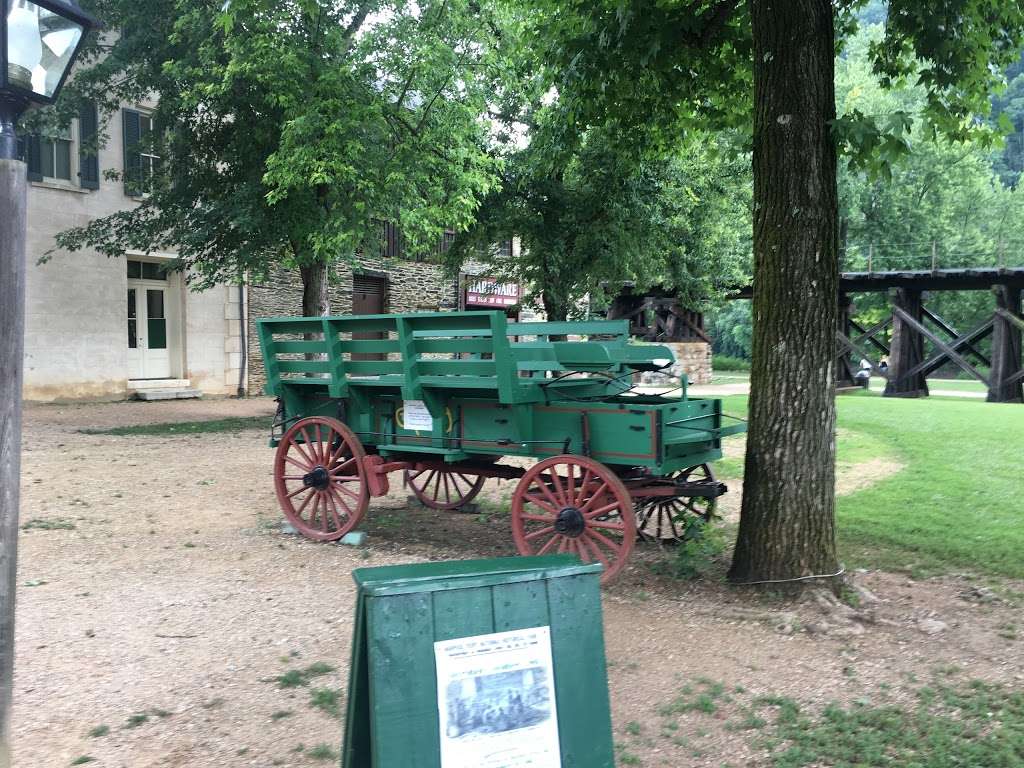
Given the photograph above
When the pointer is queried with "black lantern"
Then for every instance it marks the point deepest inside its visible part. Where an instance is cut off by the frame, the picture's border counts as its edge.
(39, 40)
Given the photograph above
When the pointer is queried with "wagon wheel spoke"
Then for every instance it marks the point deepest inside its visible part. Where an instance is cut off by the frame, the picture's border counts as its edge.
(538, 518)
(306, 446)
(447, 493)
(540, 503)
(550, 543)
(607, 524)
(546, 490)
(601, 511)
(297, 491)
(540, 532)
(341, 468)
(595, 498)
(583, 487)
(296, 463)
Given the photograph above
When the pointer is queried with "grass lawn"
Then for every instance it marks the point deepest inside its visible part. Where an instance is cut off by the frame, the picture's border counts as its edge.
(958, 505)
(232, 424)
(974, 724)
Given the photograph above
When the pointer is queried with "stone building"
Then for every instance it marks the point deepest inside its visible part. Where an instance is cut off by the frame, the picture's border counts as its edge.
(100, 328)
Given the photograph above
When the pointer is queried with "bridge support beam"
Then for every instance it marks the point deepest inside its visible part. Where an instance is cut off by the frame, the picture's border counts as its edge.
(1006, 379)
(907, 347)
(844, 360)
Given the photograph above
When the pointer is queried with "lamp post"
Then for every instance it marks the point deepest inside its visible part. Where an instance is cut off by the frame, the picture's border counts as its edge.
(38, 43)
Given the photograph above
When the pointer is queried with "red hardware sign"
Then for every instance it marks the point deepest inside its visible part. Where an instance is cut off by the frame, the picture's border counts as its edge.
(488, 292)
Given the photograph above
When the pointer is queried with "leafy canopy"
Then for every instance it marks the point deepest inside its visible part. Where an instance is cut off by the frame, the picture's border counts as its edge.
(665, 68)
(289, 130)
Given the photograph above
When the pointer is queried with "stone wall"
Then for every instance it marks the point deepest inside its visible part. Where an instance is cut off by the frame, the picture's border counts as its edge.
(411, 287)
(692, 358)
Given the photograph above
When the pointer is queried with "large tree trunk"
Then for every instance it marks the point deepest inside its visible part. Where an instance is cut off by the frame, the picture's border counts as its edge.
(316, 298)
(787, 522)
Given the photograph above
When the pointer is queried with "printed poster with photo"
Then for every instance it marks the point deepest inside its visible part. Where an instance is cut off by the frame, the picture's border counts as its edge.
(496, 701)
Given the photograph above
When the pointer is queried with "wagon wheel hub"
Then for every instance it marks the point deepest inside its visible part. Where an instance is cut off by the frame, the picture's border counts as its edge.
(318, 478)
(570, 522)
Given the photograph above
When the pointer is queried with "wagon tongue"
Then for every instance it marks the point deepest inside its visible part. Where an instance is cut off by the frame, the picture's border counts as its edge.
(570, 522)
(318, 478)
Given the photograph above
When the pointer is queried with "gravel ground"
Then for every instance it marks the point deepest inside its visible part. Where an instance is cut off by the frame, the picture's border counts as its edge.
(158, 598)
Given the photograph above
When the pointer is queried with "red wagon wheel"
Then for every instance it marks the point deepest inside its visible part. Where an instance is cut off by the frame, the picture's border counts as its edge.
(663, 518)
(444, 488)
(320, 479)
(577, 505)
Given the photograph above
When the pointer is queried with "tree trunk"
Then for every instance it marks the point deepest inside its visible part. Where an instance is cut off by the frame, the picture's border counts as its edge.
(316, 298)
(554, 310)
(787, 522)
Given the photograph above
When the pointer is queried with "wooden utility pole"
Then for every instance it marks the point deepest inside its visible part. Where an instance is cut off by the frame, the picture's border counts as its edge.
(13, 191)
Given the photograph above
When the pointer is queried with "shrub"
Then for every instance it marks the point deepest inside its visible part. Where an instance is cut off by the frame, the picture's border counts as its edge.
(726, 363)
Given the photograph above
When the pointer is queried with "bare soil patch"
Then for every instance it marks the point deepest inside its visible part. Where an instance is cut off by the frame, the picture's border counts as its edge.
(169, 591)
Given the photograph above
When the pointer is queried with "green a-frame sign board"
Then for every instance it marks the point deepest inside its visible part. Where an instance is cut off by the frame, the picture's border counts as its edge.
(401, 611)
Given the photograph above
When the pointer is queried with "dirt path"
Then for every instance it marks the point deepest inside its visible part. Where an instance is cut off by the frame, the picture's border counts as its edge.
(163, 588)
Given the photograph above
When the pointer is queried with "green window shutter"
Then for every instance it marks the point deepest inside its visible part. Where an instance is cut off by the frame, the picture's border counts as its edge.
(132, 156)
(88, 154)
(34, 157)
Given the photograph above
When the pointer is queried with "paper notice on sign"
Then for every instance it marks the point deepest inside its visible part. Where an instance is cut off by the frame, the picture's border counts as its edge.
(496, 700)
(416, 416)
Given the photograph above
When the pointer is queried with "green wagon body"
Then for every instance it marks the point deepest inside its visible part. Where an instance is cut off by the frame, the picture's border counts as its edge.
(491, 389)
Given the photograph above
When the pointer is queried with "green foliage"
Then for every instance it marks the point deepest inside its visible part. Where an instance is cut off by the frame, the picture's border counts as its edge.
(134, 721)
(731, 327)
(98, 731)
(940, 200)
(83, 759)
(1008, 115)
(661, 70)
(288, 131)
(591, 213)
(726, 363)
(295, 678)
(701, 543)
(326, 700)
(49, 524)
(976, 724)
(322, 752)
(231, 424)
(704, 696)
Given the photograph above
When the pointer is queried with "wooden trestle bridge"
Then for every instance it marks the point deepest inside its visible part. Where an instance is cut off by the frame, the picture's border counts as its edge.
(913, 324)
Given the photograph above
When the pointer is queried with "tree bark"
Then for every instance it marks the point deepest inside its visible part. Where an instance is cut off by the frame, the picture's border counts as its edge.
(316, 298)
(787, 522)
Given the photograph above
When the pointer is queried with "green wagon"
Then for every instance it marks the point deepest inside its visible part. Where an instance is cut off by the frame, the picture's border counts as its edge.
(444, 397)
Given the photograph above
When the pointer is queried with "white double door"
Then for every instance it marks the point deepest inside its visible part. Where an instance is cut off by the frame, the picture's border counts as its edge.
(148, 331)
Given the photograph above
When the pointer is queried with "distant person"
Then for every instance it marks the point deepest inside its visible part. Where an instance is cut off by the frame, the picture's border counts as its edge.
(883, 365)
(863, 376)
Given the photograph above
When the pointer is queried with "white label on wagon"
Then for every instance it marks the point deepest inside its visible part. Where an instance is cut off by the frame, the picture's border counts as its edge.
(416, 416)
